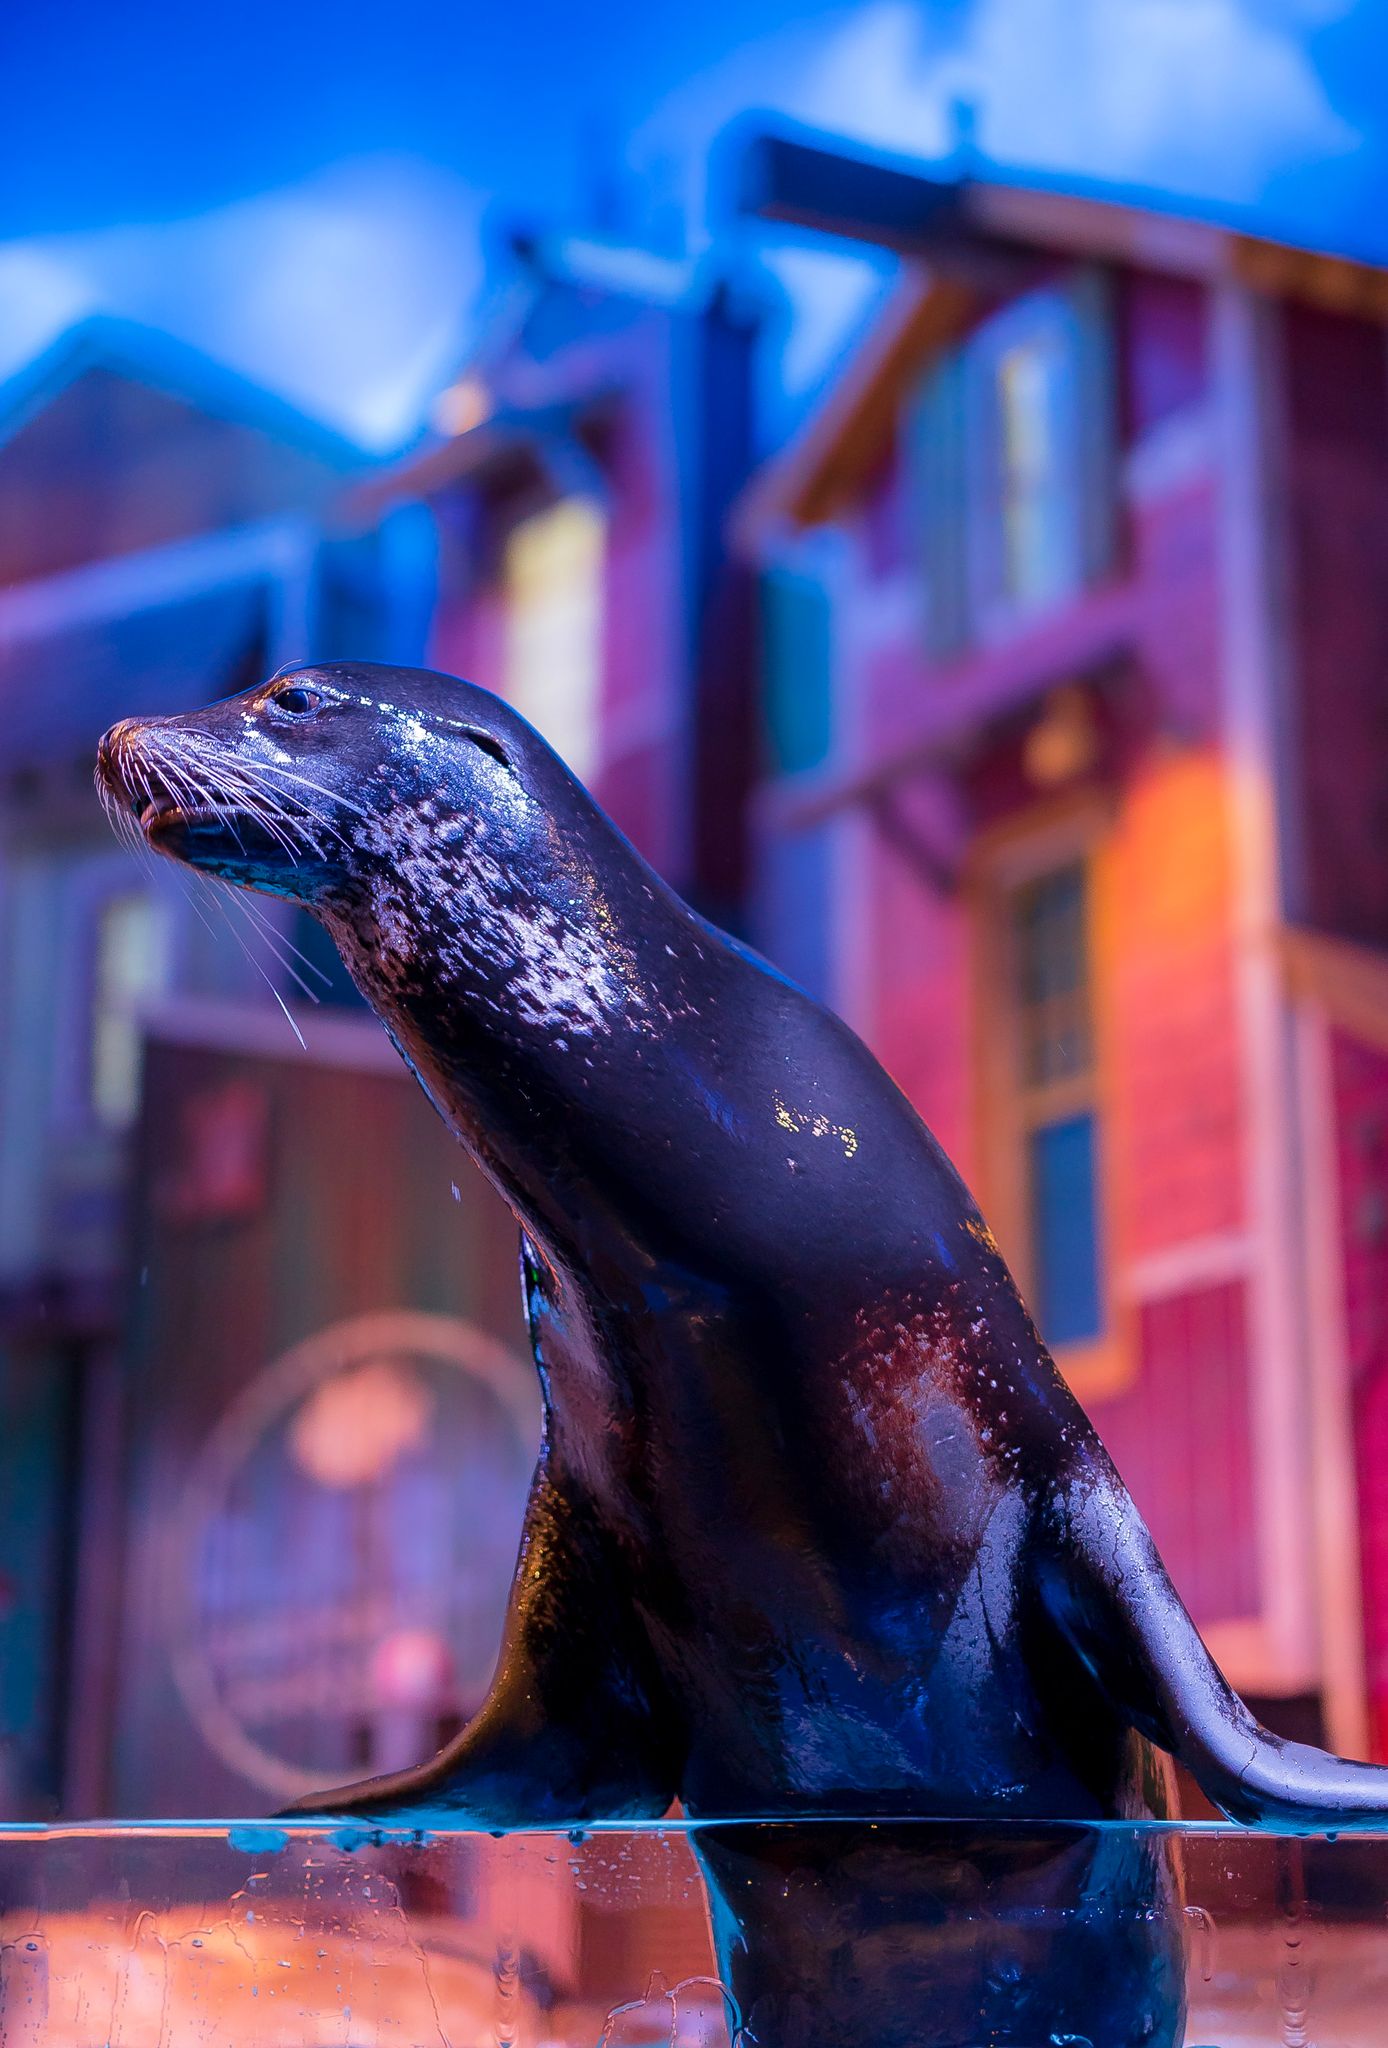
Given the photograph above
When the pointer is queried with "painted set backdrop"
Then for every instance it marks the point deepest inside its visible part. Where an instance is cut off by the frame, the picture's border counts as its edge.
(954, 546)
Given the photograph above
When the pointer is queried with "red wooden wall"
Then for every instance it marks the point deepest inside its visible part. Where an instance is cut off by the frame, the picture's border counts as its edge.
(1359, 1079)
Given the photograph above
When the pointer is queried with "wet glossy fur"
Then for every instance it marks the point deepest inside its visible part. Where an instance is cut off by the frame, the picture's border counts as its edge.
(817, 1527)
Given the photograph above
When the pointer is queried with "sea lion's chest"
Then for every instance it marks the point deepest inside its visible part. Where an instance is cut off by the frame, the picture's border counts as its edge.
(768, 1477)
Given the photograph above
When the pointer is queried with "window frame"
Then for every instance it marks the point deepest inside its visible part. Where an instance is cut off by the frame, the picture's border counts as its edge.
(87, 880)
(596, 712)
(951, 430)
(1003, 862)
(1043, 318)
(103, 1010)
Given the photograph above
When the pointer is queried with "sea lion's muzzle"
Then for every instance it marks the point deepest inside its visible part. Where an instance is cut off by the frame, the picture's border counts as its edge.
(132, 782)
(172, 787)
(111, 749)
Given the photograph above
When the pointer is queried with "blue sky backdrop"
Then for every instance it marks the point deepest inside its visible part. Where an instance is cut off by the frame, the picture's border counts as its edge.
(299, 188)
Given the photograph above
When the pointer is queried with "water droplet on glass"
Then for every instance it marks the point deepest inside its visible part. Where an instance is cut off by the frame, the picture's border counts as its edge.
(1201, 1926)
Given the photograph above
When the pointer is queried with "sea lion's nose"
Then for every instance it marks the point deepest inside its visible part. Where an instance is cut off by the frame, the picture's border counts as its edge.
(111, 744)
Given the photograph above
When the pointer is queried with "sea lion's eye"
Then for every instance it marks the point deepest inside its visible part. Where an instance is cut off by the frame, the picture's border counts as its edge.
(296, 700)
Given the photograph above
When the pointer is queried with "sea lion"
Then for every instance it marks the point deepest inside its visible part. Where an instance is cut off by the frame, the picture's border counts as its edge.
(817, 1527)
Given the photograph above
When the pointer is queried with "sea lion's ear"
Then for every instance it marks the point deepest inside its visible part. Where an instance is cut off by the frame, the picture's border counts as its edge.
(488, 742)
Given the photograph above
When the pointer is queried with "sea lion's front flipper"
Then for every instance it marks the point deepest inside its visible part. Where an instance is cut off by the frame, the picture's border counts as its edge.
(576, 1726)
(1105, 1585)
(569, 1731)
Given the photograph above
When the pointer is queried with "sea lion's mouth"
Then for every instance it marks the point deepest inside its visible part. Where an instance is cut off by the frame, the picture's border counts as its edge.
(163, 816)
(228, 813)
(156, 809)
(152, 804)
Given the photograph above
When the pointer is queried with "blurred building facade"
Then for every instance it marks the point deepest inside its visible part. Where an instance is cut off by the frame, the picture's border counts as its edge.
(595, 442)
(1027, 706)
(1076, 610)
(157, 540)
(207, 1301)
(158, 526)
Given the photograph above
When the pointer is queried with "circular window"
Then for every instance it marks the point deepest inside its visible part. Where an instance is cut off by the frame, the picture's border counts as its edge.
(341, 1565)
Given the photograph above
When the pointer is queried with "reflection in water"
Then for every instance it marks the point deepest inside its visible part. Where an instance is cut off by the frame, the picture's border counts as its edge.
(948, 1935)
(860, 1935)
(698, 2012)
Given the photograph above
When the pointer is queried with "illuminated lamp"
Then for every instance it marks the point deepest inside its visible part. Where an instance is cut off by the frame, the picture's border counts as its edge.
(461, 407)
(412, 1667)
(1063, 743)
(352, 1429)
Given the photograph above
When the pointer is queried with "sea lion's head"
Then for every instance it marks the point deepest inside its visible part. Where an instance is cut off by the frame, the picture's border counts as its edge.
(271, 788)
(432, 830)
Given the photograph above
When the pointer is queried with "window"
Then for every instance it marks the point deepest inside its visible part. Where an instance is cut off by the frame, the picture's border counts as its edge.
(1032, 485)
(554, 565)
(131, 965)
(1055, 1097)
(1012, 438)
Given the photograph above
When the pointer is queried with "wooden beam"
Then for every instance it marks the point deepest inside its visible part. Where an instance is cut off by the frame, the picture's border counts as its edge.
(799, 183)
(1347, 981)
(1333, 282)
(811, 480)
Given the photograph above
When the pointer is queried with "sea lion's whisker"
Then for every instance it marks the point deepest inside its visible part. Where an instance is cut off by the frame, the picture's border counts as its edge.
(201, 797)
(145, 788)
(214, 782)
(282, 946)
(292, 831)
(224, 895)
(217, 785)
(259, 915)
(253, 773)
(271, 939)
(174, 776)
(151, 764)
(238, 779)
(137, 774)
(118, 815)
(302, 781)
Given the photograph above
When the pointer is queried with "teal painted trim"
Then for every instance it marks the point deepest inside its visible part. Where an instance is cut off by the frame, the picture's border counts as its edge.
(797, 665)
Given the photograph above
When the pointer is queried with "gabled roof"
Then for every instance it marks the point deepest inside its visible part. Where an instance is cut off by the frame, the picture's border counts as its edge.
(963, 239)
(946, 211)
(145, 356)
(117, 439)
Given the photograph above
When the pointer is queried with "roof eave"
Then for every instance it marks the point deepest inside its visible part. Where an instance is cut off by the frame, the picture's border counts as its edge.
(964, 240)
(814, 475)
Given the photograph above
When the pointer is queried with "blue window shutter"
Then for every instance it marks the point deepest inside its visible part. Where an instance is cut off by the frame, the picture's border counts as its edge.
(1096, 425)
(1064, 1230)
(795, 909)
(797, 669)
(934, 441)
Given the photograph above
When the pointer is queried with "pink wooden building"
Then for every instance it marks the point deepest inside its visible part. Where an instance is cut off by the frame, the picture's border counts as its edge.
(1075, 795)
(579, 487)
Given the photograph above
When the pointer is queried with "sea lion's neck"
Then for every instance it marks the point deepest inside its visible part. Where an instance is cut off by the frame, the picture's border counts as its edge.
(572, 1049)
